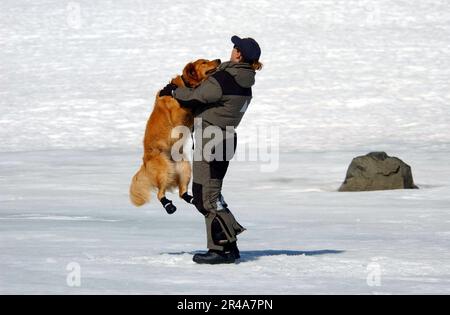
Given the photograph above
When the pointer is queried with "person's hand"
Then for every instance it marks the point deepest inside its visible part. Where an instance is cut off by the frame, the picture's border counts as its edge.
(168, 90)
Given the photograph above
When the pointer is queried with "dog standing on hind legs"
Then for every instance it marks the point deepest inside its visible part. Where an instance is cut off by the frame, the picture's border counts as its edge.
(159, 170)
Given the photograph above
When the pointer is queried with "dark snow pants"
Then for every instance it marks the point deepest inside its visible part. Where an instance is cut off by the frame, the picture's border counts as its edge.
(208, 174)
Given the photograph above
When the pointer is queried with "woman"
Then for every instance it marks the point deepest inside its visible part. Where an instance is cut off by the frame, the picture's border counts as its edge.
(219, 101)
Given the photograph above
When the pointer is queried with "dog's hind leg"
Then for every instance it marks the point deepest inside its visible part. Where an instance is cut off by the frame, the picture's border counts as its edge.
(163, 180)
(167, 204)
(183, 173)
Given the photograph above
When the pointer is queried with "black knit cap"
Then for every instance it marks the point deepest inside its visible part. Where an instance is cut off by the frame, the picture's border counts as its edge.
(248, 47)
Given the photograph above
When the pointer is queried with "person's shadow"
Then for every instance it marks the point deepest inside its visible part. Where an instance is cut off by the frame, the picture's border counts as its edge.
(251, 255)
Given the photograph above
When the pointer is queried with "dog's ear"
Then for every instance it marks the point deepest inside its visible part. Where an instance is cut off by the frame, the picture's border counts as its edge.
(190, 72)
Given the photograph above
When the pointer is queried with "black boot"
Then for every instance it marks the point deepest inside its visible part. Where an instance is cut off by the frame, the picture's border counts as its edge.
(233, 249)
(218, 234)
(213, 257)
(168, 205)
(188, 198)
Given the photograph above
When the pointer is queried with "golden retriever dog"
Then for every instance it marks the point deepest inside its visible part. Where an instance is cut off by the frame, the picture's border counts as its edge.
(159, 170)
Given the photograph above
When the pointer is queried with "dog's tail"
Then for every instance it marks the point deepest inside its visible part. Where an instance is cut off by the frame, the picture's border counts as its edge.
(140, 187)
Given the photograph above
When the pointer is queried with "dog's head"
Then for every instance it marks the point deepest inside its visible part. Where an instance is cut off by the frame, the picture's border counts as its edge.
(196, 72)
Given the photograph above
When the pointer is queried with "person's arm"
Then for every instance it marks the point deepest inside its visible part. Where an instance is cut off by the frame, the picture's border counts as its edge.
(209, 91)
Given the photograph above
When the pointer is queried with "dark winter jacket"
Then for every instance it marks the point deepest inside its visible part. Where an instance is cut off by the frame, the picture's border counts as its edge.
(222, 99)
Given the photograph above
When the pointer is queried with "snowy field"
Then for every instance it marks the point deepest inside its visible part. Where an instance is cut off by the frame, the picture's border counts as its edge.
(341, 79)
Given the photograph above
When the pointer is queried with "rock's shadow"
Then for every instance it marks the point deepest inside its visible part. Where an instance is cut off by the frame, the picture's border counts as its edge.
(251, 255)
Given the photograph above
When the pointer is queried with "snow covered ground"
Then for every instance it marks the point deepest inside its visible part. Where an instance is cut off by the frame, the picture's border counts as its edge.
(341, 79)
(59, 207)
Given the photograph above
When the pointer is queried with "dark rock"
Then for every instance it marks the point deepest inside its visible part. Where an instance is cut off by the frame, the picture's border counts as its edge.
(377, 171)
